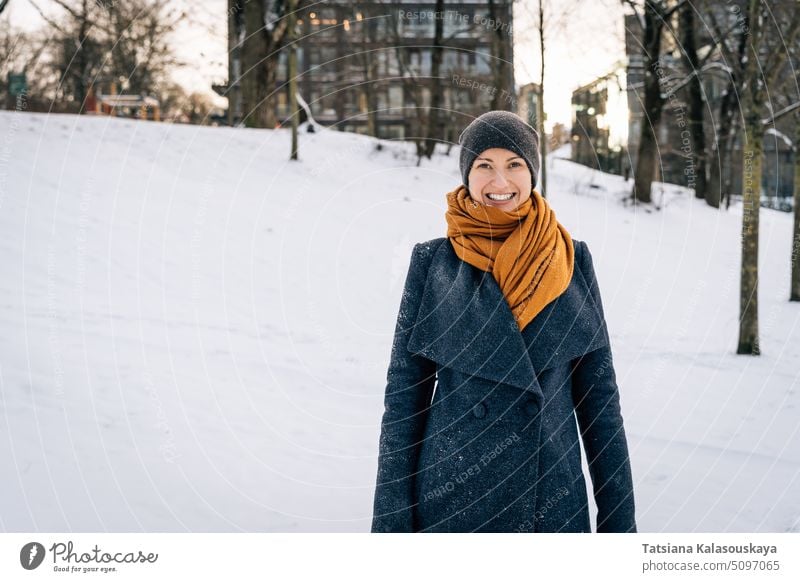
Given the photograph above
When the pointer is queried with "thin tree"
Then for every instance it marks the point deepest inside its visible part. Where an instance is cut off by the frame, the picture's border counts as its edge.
(501, 71)
(761, 68)
(794, 293)
(793, 109)
(365, 53)
(732, 42)
(435, 129)
(696, 102)
(653, 16)
(291, 38)
(540, 115)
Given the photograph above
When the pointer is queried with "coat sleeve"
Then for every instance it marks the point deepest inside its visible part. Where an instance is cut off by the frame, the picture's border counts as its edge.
(596, 399)
(410, 381)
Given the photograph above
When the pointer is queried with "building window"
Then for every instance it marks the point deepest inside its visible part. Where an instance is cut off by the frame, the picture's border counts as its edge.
(395, 97)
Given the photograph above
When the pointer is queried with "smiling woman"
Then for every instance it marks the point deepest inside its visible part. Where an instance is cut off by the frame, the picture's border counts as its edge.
(500, 345)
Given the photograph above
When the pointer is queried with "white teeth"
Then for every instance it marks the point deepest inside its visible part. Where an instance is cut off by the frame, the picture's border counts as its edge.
(499, 197)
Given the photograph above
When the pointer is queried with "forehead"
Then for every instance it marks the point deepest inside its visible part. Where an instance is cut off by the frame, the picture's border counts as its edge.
(497, 155)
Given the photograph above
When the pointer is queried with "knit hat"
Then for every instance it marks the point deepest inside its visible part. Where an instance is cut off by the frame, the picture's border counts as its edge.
(499, 129)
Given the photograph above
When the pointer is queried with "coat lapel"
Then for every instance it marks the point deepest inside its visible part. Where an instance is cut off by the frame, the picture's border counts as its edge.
(567, 327)
(464, 323)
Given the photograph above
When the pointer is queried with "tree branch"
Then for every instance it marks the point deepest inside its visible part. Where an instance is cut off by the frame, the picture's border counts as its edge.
(785, 111)
(669, 12)
(777, 63)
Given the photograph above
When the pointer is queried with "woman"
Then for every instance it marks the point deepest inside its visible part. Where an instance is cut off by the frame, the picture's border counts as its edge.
(500, 343)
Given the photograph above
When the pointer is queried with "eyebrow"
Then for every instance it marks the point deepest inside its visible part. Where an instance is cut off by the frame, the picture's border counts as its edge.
(508, 160)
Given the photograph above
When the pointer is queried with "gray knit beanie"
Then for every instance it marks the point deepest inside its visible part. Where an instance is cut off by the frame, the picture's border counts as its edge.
(499, 129)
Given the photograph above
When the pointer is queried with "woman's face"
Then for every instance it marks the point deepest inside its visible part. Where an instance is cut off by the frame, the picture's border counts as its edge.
(495, 174)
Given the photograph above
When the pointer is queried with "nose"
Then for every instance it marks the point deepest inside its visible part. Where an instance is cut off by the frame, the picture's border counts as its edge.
(499, 179)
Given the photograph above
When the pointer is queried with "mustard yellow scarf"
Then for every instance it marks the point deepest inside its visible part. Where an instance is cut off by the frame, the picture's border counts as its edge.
(528, 252)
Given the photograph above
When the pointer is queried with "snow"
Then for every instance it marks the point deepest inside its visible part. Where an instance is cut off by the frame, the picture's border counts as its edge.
(780, 135)
(195, 330)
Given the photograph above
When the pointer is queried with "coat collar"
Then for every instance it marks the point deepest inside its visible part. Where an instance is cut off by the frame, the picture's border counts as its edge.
(464, 323)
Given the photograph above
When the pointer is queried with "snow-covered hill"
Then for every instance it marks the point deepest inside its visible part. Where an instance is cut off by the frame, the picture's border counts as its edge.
(194, 331)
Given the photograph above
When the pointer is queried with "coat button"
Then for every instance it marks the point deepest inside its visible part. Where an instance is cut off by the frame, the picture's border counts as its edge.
(531, 407)
(479, 410)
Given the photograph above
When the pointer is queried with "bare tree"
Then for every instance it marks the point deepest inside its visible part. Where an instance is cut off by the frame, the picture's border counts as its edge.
(266, 26)
(367, 57)
(258, 70)
(732, 40)
(540, 115)
(22, 52)
(787, 102)
(696, 102)
(765, 58)
(99, 41)
(794, 293)
(653, 16)
(79, 55)
(291, 37)
(140, 32)
(501, 69)
(434, 126)
(788, 98)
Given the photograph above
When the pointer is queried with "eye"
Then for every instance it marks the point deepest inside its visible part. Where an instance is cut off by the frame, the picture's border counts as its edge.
(515, 164)
(482, 165)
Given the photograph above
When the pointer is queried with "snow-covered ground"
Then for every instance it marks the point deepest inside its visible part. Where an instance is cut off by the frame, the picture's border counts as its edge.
(194, 331)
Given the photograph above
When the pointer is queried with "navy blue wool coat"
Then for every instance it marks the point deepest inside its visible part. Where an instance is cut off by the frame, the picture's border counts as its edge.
(479, 431)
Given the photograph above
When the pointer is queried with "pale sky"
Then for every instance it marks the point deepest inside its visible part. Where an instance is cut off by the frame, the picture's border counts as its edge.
(583, 41)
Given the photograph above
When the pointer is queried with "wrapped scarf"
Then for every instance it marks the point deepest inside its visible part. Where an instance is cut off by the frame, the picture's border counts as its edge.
(528, 252)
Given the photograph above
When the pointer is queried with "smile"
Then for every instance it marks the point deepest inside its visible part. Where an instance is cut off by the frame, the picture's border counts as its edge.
(500, 197)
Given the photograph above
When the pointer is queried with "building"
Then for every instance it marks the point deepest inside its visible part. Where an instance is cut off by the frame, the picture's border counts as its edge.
(528, 103)
(366, 67)
(599, 123)
(116, 105)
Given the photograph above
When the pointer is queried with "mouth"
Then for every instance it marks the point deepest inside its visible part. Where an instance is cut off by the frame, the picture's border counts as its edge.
(500, 196)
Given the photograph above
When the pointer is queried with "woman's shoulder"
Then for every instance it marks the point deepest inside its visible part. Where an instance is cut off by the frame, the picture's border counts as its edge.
(425, 250)
(581, 251)
(430, 245)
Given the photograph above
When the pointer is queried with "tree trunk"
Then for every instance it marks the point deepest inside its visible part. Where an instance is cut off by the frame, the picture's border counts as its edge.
(727, 182)
(503, 95)
(434, 133)
(292, 74)
(697, 156)
(653, 105)
(721, 165)
(254, 52)
(751, 202)
(724, 143)
(265, 107)
(752, 153)
(81, 59)
(795, 287)
(371, 74)
(540, 115)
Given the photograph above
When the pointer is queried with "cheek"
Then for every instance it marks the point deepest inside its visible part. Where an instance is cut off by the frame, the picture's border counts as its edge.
(476, 183)
(525, 183)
